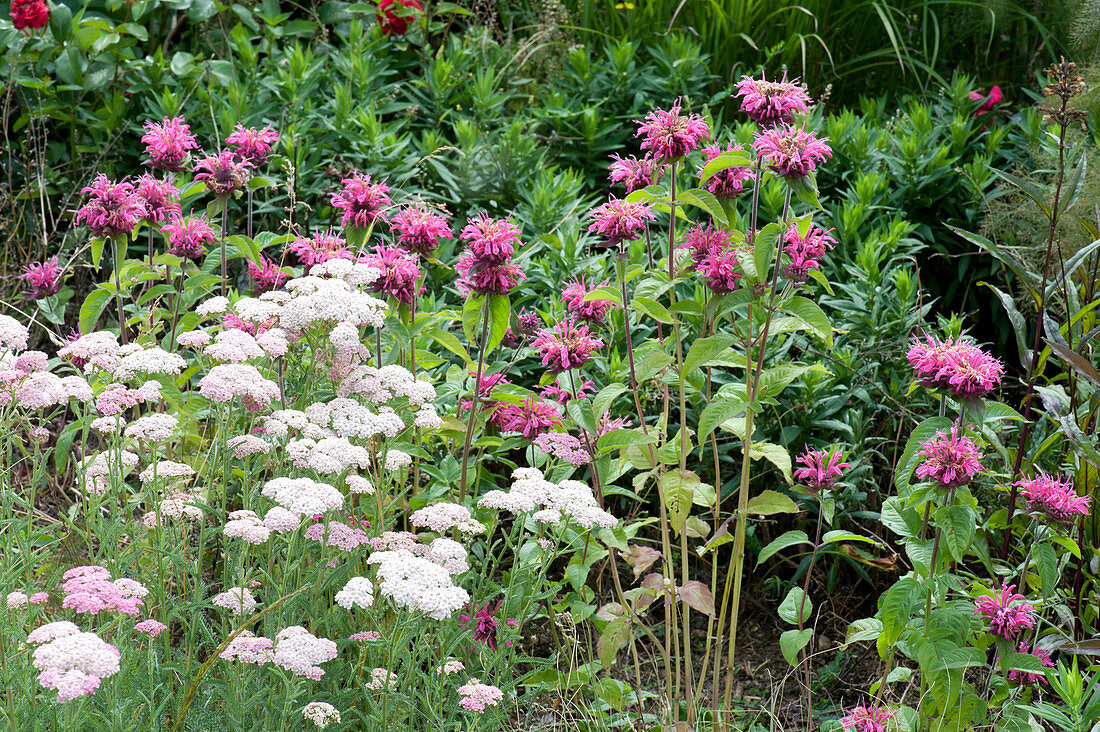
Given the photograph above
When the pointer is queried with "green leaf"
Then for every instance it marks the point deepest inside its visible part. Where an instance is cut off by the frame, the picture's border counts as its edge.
(616, 439)
(1024, 662)
(604, 294)
(725, 161)
(763, 250)
(705, 200)
(832, 537)
(705, 349)
(450, 342)
(811, 313)
(97, 250)
(805, 188)
(601, 403)
(927, 429)
(791, 643)
(774, 380)
(864, 629)
(94, 305)
(612, 639)
(896, 607)
(957, 526)
(777, 455)
(471, 317)
(677, 491)
(790, 538)
(771, 502)
(500, 313)
(1046, 561)
(796, 607)
(654, 309)
(718, 412)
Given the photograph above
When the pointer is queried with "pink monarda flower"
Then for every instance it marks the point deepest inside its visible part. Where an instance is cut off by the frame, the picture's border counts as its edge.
(530, 419)
(671, 135)
(32, 14)
(419, 229)
(721, 270)
(168, 142)
(266, 275)
(805, 251)
(772, 103)
(617, 221)
(112, 209)
(792, 152)
(592, 311)
(566, 346)
(491, 240)
(484, 622)
(1023, 677)
(728, 183)
(252, 145)
(634, 174)
(224, 174)
(188, 238)
(476, 696)
(702, 241)
(42, 279)
(1005, 620)
(362, 201)
(866, 719)
(563, 397)
(1055, 497)
(486, 278)
(988, 101)
(950, 460)
(161, 198)
(322, 247)
(391, 23)
(400, 273)
(821, 469)
(151, 627)
(958, 367)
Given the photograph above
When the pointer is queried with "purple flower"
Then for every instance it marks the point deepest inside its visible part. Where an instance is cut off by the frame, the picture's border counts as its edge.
(670, 135)
(1055, 497)
(361, 200)
(805, 251)
(1023, 677)
(821, 469)
(485, 624)
(266, 275)
(187, 238)
(491, 240)
(419, 230)
(955, 366)
(400, 273)
(168, 142)
(703, 241)
(1005, 620)
(42, 279)
(952, 461)
(161, 198)
(791, 152)
(252, 145)
(476, 275)
(566, 346)
(112, 209)
(634, 174)
(720, 269)
(592, 311)
(617, 221)
(728, 183)
(866, 719)
(223, 174)
(771, 103)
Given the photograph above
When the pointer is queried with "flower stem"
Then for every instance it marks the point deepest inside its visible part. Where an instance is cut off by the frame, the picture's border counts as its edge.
(471, 418)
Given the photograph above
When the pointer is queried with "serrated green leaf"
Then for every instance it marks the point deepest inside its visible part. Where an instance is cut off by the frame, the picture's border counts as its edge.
(677, 492)
(717, 412)
(777, 455)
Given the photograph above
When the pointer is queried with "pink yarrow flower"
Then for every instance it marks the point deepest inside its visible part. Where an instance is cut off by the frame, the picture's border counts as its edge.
(1006, 620)
(670, 135)
(805, 251)
(958, 367)
(252, 145)
(476, 696)
(361, 201)
(592, 311)
(419, 229)
(1055, 497)
(161, 198)
(188, 238)
(224, 174)
(112, 209)
(866, 719)
(950, 460)
(792, 152)
(151, 627)
(634, 174)
(564, 447)
(566, 346)
(822, 468)
(618, 220)
(772, 103)
(168, 143)
(731, 182)
(42, 279)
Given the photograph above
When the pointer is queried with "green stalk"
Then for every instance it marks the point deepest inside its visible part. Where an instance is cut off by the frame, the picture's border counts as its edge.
(471, 418)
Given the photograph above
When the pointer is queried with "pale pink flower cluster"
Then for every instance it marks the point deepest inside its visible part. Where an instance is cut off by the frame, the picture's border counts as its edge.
(193, 339)
(71, 662)
(381, 678)
(366, 636)
(315, 301)
(97, 469)
(224, 382)
(395, 540)
(358, 592)
(237, 600)
(234, 346)
(300, 652)
(89, 589)
(165, 469)
(134, 360)
(176, 506)
(151, 627)
(564, 446)
(247, 647)
(321, 714)
(450, 667)
(246, 445)
(449, 554)
(303, 495)
(441, 517)
(96, 350)
(18, 599)
(212, 306)
(117, 398)
(476, 696)
(328, 455)
(152, 428)
(344, 537)
(384, 385)
(40, 389)
(247, 525)
(416, 583)
(13, 334)
(359, 484)
(530, 492)
(397, 459)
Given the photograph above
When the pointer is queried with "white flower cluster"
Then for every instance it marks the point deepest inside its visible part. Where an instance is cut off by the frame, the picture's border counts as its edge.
(300, 652)
(247, 525)
(166, 470)
(237, 600)
(247, 647)
(359, 484)
(13, 334)
(152, 428)
(397, 459)
(417, 584)
(40, 389)
(381, 678)
(274, 341)
(440, 517)
(193, 339)
(97, 350)
(303, 495)
(348, 418)
(234, 346)
(450, 667)
(135, 359)
(449, 554)
(213, 306)
(379, 386)
(263, 310)
(321, 714)
(530, 492)
(176, 506)
(327, 455)
(228, 380)
(356, 274)
(315, 300)
(245, 445)
(358, 592)
(98, 467)
(281, 521)
(71, 662)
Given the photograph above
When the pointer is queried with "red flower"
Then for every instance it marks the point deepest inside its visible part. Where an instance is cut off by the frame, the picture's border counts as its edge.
(395, 24)
(31, 14)
(990, 100)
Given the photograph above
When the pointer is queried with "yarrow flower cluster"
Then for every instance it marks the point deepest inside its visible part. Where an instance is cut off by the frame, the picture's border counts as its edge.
(1005, 618)
(564, 447)
(442, 517)
(237, 600)
(956, 366)
(300, 652)
(476, 696)
(150, 627)
(1054, 497)
(670, 135)
(89, 589)
(18, 599)
(321, 714)
(417, 583)
(530, 492)
(822, 469)
(950, 460)
(71, 662)
(358, 592)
